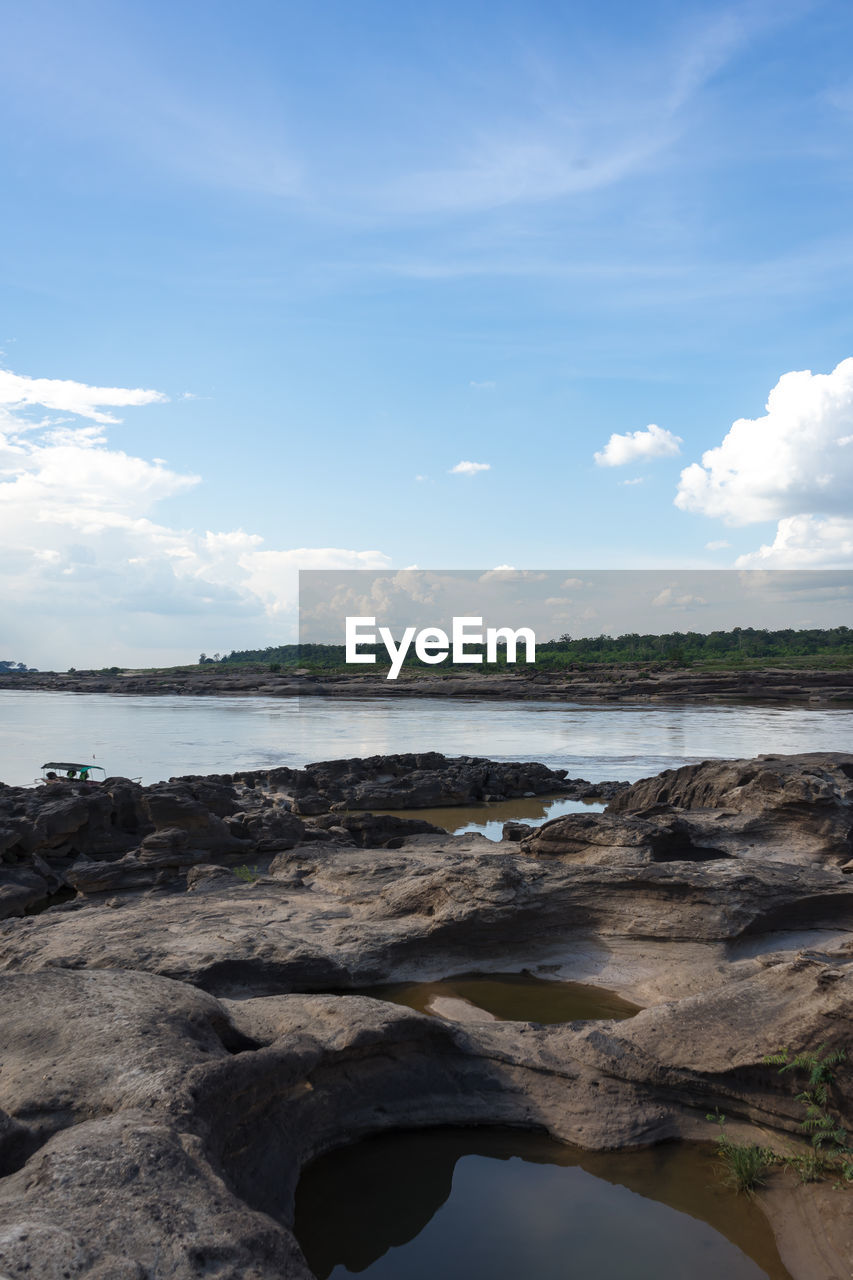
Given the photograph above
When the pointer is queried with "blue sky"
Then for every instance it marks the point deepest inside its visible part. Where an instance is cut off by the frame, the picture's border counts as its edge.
(353, 246)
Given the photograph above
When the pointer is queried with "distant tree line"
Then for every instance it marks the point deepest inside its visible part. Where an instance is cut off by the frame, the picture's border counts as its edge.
(7, 665)
(678, 648)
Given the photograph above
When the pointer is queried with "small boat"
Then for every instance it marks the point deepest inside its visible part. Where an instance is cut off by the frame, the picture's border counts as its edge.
(68, 771)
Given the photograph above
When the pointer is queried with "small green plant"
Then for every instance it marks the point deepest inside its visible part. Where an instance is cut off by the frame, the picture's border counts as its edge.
(745, 1165)
(808, 1167)
(824, 1128)
(830, 1152)
(249, 874)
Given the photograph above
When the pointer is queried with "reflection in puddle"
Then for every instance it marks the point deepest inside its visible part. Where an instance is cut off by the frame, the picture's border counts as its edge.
(506, 997)
(469, 1203)
(488, 819)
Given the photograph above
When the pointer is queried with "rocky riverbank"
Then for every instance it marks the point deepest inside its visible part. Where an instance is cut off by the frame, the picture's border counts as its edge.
(605, 683)
(178, 1039)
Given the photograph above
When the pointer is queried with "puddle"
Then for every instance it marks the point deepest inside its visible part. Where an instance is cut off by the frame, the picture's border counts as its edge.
(501, 1203)
(506, 997)
(488, 819)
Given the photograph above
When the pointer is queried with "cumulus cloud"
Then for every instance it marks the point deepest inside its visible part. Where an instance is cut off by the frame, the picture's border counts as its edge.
(19, 392)
(669, 598)
(469, 468)
(805, 542)
(637, 446)
(795, 460)
(94, 576)
(507, 573)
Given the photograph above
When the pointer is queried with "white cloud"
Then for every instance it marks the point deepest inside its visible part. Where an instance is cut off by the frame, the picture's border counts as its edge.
(469, 468)
(805, 542)
(552, 150)
(94, 577)
(636, 480)
(19, 392)
(717, 544)
(635, 446)
(483, 386)
(793, 461)
(507, 573)
(668, 599)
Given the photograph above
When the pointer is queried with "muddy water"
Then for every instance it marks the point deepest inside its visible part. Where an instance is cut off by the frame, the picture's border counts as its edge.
(462, 1204)
(488, 819)
(514, 997)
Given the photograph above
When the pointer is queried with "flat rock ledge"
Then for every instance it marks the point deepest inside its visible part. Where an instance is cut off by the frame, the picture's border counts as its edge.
(588, 683)
(176, 1048)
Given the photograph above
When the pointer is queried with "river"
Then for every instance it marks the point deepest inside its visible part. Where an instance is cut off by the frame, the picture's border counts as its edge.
(159, 737)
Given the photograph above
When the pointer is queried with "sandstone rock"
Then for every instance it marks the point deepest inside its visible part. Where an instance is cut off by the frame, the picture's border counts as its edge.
(791, 808)
(375, 831)
(151, 1129)
(585, 836)
(516, 831)
(581, 789)
(309, 803)
(20, 888)
(412, 781)
(15, 1144)
(167, 1129)
(205, 877)
(337, 917)
(274, 829)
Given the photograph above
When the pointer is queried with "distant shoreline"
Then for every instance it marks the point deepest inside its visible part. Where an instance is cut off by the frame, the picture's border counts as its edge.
(771, 685)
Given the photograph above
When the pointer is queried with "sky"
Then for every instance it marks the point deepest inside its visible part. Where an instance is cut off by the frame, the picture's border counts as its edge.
(336, 606)
(543, 285)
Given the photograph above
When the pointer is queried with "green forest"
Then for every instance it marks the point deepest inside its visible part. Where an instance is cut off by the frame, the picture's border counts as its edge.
(742, 646)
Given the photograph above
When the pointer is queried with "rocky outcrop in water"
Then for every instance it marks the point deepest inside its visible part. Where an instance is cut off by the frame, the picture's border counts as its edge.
(427, 780)
(172, 1055)
(788, 808)
(120, 835)
(593, 683)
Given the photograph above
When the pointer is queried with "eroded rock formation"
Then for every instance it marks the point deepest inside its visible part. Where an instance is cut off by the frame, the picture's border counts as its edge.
(171, 1053)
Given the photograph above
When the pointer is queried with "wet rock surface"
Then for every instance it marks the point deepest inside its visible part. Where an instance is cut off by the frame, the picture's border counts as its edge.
(170, 1059)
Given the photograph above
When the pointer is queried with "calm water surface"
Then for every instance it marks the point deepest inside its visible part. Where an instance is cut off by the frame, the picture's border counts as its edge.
(513, 997)
(488, 819)
(159, 737)
(466, 1204)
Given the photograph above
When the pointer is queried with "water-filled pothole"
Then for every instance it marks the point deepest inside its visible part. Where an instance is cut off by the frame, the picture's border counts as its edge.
(506, 997)
(463, 1203)
(487, 819)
